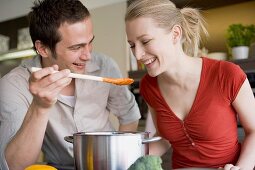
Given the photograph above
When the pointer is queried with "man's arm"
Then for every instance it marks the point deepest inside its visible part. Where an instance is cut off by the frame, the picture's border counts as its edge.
(129, 127)
(24, 148)
(122, 103)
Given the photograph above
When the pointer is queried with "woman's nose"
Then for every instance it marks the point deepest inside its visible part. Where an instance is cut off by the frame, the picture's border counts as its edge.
(139, 53)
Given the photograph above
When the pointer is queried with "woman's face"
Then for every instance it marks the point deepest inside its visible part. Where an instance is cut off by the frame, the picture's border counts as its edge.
(73, 51)
(150, 44)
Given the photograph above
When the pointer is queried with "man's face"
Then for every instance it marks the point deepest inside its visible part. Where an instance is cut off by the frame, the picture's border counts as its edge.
(74, 49)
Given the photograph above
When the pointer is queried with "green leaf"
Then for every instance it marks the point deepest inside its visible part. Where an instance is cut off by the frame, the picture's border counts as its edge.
(240, 35)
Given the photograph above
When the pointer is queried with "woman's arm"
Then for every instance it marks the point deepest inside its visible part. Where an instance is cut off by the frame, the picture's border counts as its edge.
(244, 104)
(160, 147)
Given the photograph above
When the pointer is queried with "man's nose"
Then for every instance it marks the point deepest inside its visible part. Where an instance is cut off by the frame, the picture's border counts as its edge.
(86, 53)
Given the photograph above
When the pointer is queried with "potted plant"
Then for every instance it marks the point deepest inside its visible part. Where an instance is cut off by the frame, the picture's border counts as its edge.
(239, 39)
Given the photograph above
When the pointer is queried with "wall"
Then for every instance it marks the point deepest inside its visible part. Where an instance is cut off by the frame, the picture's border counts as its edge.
(110, 35)
(219, 19)
(10, 9)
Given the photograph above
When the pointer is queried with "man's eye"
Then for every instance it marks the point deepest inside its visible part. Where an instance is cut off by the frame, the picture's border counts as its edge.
(146, 42)
(75, 48)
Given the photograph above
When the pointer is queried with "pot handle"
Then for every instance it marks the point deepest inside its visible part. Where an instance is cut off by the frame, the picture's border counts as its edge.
(153, 139)
(69, 139)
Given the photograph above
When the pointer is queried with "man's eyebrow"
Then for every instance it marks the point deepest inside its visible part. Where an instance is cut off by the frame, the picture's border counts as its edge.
(81, 44)
(92, 39)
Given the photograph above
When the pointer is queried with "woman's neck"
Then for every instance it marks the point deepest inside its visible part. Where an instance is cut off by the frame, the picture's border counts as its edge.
(184, 70)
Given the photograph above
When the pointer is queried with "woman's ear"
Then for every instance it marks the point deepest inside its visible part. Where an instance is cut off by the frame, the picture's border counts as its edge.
(177, 33)
(41, 49)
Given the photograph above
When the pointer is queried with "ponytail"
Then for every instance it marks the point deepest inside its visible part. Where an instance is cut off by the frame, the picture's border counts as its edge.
(193, 25)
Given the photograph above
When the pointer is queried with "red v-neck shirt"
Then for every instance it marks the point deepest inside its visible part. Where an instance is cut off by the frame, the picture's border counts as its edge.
(207, 137)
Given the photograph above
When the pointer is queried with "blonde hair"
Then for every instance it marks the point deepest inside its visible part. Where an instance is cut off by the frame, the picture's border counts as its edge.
(166, 15)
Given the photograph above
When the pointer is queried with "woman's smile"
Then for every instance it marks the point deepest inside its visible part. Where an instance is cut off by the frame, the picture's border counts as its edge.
(149, 61)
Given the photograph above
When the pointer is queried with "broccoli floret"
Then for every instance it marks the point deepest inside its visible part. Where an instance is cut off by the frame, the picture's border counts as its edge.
(148, 162)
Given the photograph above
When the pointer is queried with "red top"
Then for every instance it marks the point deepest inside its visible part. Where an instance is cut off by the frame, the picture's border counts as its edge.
(207, 137)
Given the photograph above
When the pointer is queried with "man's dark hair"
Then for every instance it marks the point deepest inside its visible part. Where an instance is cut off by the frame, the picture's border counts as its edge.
(46, 17)
(129, 2)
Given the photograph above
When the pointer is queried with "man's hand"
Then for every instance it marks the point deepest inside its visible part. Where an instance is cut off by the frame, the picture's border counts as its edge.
(46, 84)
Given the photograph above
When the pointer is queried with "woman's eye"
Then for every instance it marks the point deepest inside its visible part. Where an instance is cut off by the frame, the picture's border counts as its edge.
(132, 46)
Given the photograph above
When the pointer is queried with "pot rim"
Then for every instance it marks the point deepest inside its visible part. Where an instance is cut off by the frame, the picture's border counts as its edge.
(111, 133)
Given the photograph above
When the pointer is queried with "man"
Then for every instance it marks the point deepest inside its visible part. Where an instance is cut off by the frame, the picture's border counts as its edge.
(37, 110)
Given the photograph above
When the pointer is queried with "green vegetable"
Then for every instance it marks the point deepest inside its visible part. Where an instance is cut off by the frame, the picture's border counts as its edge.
(148, 162)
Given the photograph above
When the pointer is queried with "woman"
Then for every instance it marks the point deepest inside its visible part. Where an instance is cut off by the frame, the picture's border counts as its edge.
(194, 101)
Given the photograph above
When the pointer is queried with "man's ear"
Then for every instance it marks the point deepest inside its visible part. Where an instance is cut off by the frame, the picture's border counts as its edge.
(177, 33)
(41, 49)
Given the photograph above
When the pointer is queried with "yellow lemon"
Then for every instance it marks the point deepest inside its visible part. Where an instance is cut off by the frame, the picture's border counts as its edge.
(40, 167)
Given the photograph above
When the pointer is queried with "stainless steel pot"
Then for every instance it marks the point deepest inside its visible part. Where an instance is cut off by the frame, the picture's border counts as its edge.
(109, 150)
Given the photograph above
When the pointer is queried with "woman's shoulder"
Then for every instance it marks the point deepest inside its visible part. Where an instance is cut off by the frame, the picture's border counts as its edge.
(148, 85)
(221, 65)
(147, 80)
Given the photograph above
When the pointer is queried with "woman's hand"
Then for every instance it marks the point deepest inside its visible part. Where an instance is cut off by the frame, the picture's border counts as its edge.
(230, 167)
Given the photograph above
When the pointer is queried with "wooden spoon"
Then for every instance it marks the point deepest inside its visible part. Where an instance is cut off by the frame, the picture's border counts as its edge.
(116, 81)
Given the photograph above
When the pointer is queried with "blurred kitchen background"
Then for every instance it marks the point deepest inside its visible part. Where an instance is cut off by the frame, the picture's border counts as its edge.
(109, 26)
(110, 37)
